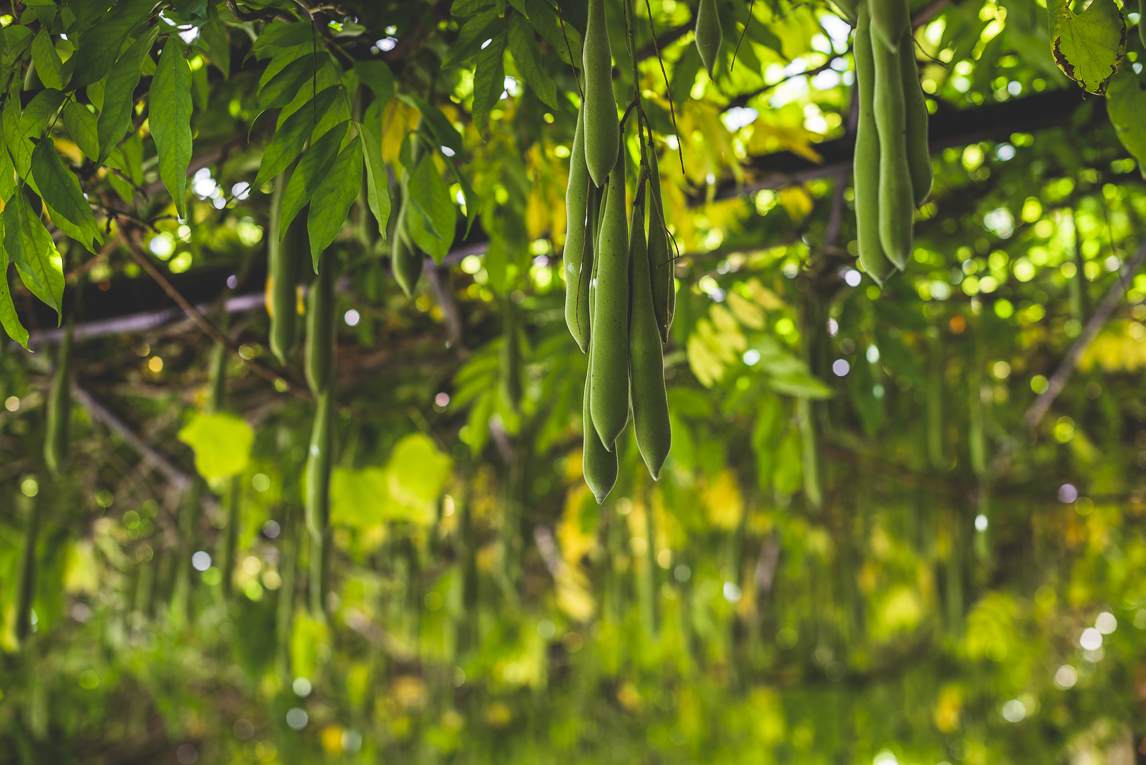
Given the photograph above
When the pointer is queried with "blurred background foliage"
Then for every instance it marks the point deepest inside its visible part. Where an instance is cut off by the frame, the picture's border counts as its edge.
(858, 551)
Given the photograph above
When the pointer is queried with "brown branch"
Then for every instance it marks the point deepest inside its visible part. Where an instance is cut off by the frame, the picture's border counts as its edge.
(176, 477)
(1037, 410)
(207, 327)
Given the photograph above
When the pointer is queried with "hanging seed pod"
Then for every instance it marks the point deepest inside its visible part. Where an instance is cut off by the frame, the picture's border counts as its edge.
(916, 119)
(320, 321)
(709, 35)
(405, 259)
(866, 164)
(58, 426)
(646, 366)
(660, 258)
(609, 395)
(602, 127)
(285, 255)
(579, 225)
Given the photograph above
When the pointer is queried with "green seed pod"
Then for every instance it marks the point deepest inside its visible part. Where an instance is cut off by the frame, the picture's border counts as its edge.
(1142, 21)
(578, 255)
(896, 203)
(405, 259)
(217, 379)
(609, 395)
(646, 365)
(509, 358)
(602, 128)
(284, 256)
(57, 435)
(319, 462)
(660, 260)
(709, 35)
(28, 568)
(320, 319)
(890, 19)
(867, 157)
(915, 105)
(598, 463)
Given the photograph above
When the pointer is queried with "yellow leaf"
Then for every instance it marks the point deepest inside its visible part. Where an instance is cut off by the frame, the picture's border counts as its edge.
(723, 502)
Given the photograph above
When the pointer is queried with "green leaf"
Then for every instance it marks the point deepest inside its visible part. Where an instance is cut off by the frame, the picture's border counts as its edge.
(473, 203)
(19, 145)
(527, 54)
(377, 181)
(278, 90)
(7, 176)
(327, 77)
(489, 81)
(63, 195)
(49, 67)
(471, 37)
(119, 94)
(444, 132)
(222, 443)
(8, 317)
(360, 499)
(279, 36)
(1088, 46)
(289, 140)
(15, 37)
(81, 125)
(99, 46)
(418, 473)
(468, 7)
(1126, 105)
(32, 250)
(312, 168)
(40, 112)
(333, 198)
(213, 40)
(543, 19)
(170, 121)
(432, 213)
(765, 439)
(376, 76)
(788, 475)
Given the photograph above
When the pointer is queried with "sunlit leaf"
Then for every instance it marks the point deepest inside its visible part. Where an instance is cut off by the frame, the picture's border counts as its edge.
(1088, 46)
(170, 121)
(222, 443)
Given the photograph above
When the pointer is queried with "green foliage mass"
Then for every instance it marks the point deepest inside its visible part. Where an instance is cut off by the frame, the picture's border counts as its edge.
(863, 546)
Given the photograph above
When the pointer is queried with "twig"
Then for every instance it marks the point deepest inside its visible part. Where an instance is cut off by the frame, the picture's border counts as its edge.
(207, 327)
(746, 97)
(176, 477)
(1035, 413)
(672, 109)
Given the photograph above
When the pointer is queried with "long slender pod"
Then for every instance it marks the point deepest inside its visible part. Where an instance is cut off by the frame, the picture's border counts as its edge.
(284, 254)
(709, 35)
(405, 259)
(609, 393)
(646, 364)
(320, 318)
(578, 245)
(889, 20)
(866, 164)
(598, 463)
(319, 463)
(896, 203)
(56, 437)
(26, 588)
(602, 127)
(915, 105)
(660, 259)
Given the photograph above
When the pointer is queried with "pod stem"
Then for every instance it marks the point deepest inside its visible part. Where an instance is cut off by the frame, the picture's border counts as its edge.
(631, 45)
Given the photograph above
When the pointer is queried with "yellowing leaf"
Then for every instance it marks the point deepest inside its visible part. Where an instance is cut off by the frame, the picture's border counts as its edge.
(723, 502)
(1088, 46)
(222, 443)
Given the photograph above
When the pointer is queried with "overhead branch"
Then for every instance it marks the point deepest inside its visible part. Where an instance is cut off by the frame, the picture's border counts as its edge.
(1037, 410)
